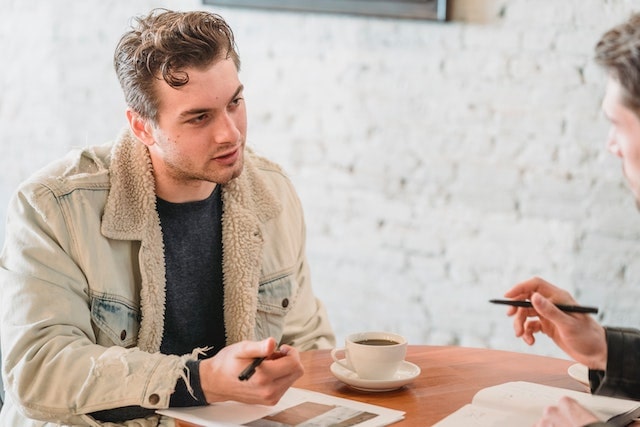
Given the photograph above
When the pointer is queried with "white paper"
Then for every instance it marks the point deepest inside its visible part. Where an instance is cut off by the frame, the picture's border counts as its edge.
(316, 410)
(522, 403)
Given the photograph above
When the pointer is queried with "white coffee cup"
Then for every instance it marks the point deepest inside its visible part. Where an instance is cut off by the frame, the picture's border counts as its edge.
(372, 355)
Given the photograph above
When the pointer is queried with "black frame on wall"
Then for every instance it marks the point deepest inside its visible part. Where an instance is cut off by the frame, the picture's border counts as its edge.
(412, 9)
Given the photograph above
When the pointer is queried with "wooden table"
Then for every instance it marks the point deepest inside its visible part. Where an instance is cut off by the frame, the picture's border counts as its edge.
(450, 377)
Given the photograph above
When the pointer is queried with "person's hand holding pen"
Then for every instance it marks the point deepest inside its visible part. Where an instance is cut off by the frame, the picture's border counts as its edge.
(279, 369)
(577, 334)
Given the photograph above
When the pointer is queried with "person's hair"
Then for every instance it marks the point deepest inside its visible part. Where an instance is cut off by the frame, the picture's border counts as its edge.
(162, 45)
(618, 52)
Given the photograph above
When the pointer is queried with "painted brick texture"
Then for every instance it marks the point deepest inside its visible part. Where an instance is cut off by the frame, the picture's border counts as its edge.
(438, 163)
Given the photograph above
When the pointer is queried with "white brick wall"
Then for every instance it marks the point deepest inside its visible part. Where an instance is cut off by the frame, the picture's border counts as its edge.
(438, 163)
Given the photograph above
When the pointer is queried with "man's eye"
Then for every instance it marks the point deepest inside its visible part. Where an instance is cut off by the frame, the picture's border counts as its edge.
(198, 119)
(236, 101)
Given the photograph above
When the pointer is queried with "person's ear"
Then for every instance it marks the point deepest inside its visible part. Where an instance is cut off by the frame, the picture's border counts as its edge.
(141, 127)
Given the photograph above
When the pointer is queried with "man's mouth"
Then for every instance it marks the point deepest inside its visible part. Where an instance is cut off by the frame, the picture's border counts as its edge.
(228, 157)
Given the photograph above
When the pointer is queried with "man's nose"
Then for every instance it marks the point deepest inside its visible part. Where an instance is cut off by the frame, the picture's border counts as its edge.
(612, 144)
(225, 129)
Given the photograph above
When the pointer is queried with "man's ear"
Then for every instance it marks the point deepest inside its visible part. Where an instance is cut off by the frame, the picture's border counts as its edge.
(140, 127)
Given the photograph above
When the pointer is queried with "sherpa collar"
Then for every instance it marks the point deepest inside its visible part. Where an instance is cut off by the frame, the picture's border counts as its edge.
(130, 214)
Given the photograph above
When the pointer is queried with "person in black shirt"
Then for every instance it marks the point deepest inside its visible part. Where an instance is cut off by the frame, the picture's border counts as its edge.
(611, 354)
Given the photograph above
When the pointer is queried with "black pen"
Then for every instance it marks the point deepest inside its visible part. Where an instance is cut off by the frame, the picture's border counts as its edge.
(251, 369)
(564, 307)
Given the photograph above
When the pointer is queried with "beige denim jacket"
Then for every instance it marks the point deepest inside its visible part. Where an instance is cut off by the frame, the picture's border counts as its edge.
(82, 284)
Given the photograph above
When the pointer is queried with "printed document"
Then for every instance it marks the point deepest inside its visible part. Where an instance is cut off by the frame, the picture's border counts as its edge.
(298, 407)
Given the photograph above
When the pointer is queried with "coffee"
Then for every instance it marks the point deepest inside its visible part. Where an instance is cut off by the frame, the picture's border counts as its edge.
(377, 341)
(372, 355)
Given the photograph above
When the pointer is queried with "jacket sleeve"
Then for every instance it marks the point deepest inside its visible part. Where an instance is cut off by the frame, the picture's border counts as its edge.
(622, 377)
(52, 367)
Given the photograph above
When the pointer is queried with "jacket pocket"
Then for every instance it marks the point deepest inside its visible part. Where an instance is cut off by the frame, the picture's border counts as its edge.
(275, 298)
(117, 321)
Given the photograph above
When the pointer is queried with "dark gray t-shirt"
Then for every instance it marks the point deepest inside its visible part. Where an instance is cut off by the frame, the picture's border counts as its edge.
(192, 235)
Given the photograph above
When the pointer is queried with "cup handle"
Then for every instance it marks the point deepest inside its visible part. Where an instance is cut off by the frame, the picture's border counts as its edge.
(342, 362)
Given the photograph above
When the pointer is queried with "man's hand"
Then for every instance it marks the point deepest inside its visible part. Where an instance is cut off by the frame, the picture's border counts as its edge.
(579, 335)
(568, 413)
(280, 369)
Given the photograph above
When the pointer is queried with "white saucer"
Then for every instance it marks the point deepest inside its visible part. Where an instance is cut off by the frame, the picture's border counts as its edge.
(405, 374)
(580, 373)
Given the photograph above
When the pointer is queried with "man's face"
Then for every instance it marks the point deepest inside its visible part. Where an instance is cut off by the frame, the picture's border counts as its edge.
(624, 135)
(200, 133)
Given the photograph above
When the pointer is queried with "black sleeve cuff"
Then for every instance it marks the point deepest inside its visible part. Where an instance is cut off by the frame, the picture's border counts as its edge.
(181, 396)
(622, 377)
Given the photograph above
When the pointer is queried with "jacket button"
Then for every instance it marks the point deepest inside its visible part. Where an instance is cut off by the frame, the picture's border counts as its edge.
(154, 399)
(285, 303)
(123, 335)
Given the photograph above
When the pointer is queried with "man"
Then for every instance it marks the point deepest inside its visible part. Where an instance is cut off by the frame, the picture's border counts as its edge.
(149, 273)
(611, 354)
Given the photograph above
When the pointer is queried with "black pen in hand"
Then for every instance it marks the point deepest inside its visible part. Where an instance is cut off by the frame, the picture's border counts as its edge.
(564, 307)
(251, 369)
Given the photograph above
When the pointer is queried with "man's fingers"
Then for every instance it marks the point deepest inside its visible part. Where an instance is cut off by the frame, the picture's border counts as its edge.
(252, 349)
(545, 308)
(531, 327)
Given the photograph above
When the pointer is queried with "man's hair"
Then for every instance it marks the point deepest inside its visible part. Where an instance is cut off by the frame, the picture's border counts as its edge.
(618, 52)
(162, 45)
